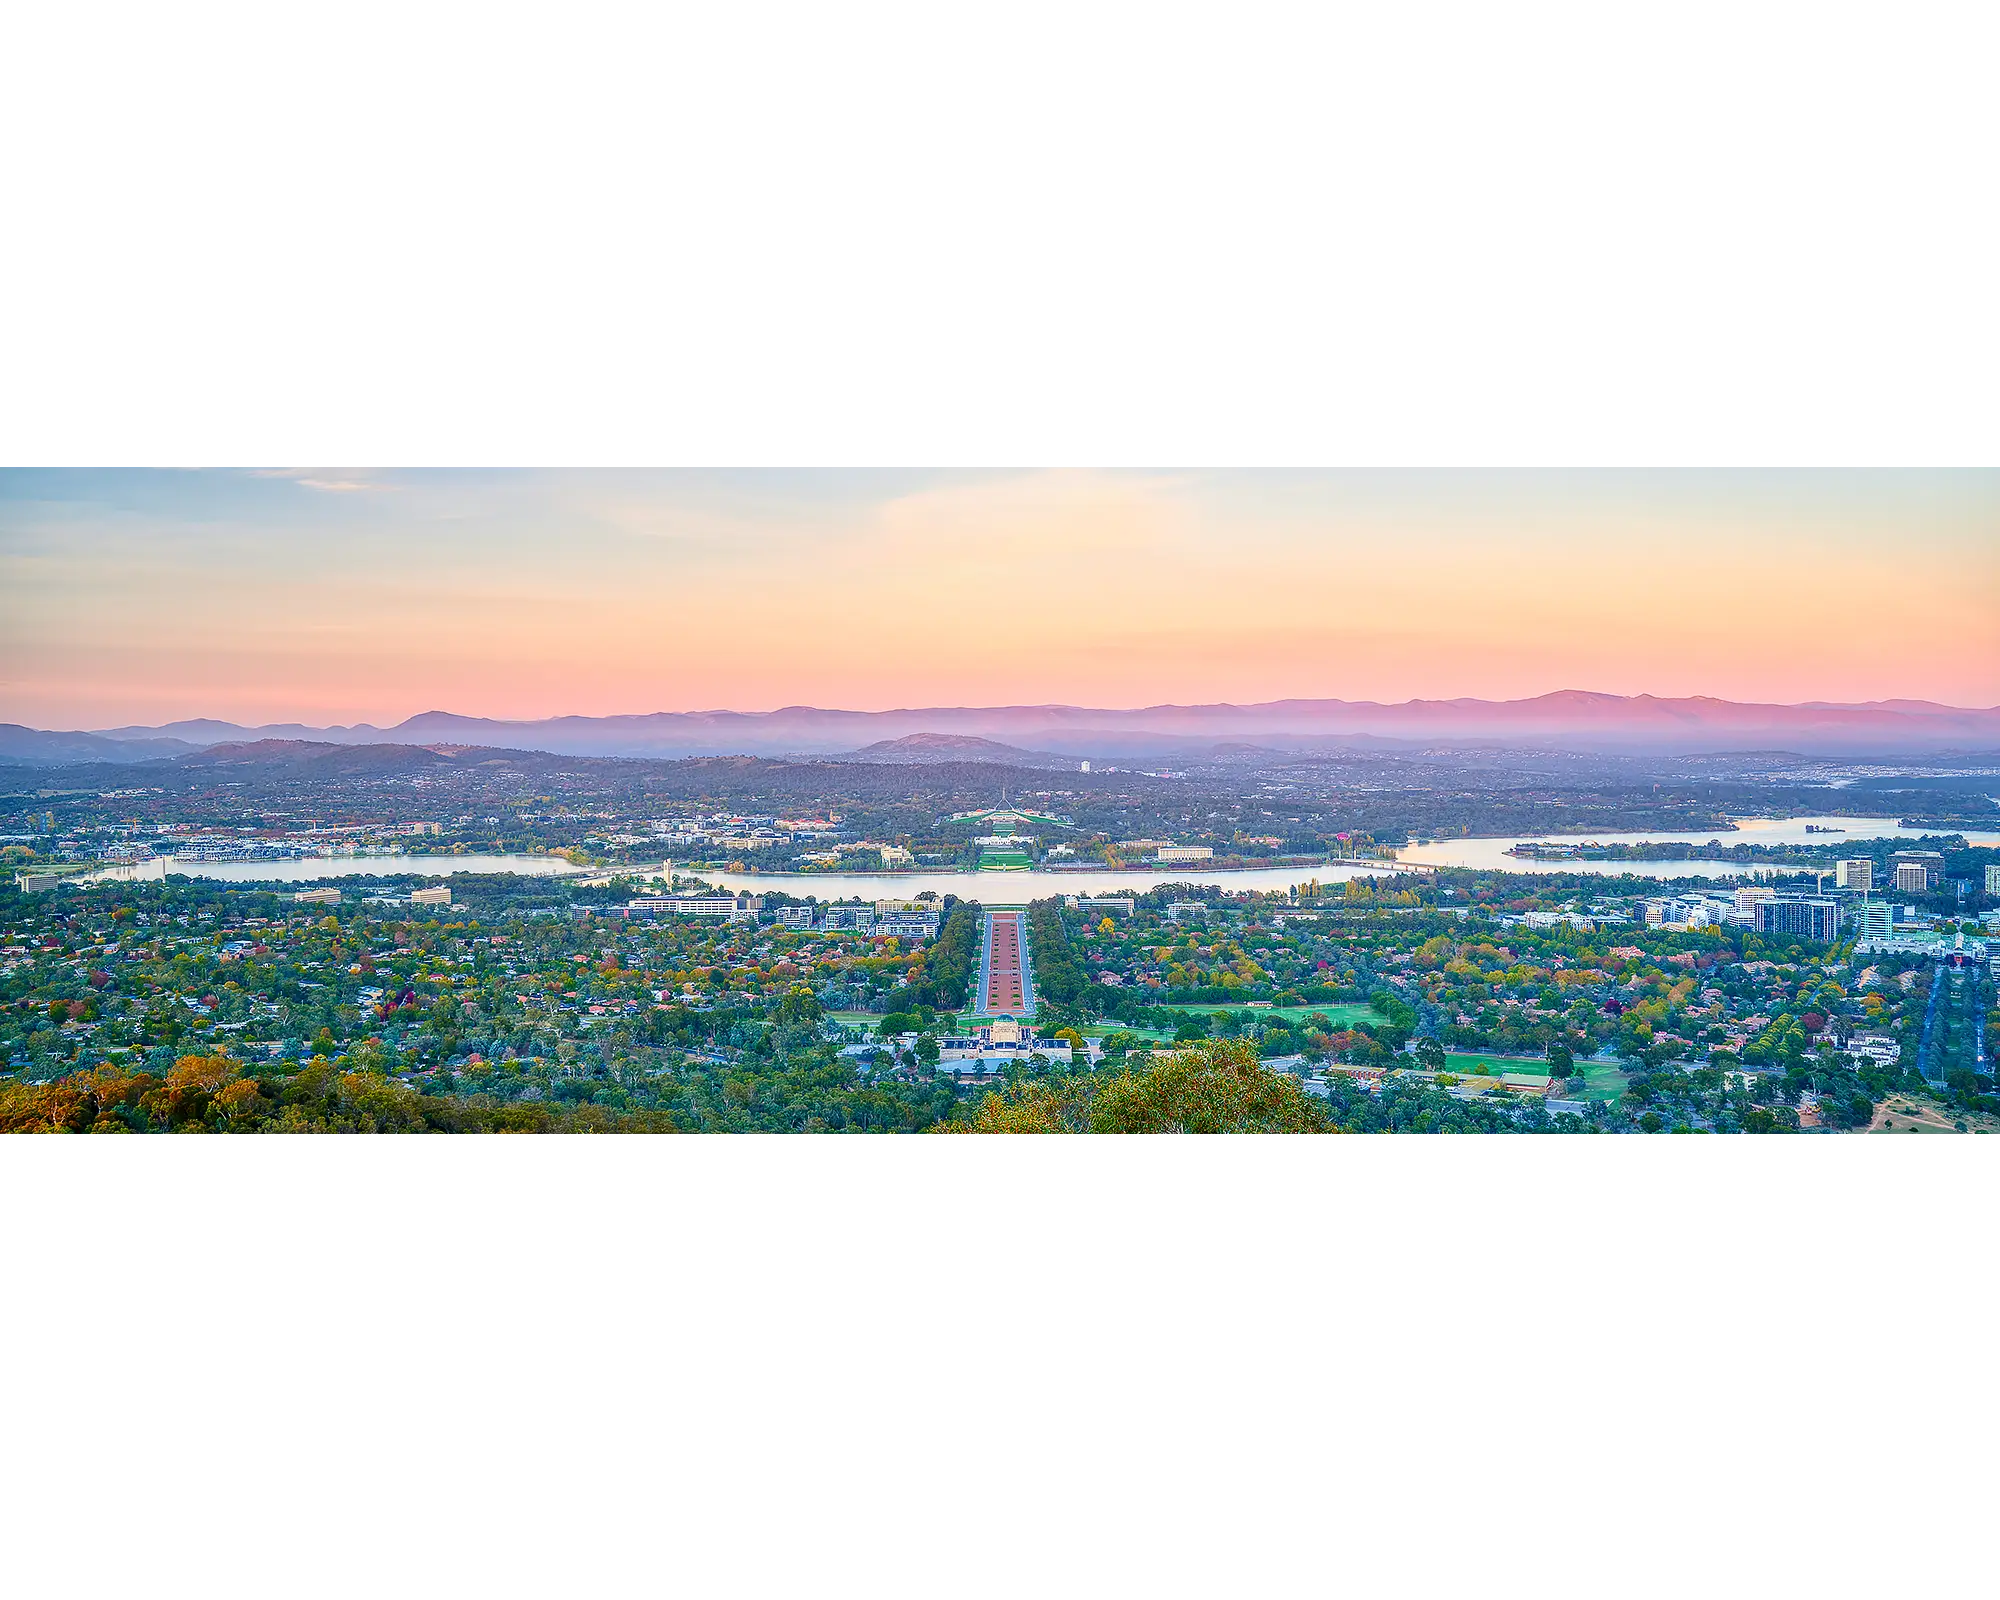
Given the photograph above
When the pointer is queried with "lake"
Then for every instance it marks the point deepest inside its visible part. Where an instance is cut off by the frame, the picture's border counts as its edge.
(992, 886)
(313, 868)
(1009, 887)
(1492, 853)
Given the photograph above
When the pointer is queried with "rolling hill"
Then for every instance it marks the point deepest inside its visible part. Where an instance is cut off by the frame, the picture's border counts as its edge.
(1574, 720)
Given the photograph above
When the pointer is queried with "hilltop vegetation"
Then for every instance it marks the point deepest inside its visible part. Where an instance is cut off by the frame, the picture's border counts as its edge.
(1207, 1088)
(214, 1094)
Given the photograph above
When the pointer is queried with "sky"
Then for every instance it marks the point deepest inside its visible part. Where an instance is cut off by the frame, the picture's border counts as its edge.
(336, 596)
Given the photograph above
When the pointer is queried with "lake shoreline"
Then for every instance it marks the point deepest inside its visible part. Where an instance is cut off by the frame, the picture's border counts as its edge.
(1485, 853)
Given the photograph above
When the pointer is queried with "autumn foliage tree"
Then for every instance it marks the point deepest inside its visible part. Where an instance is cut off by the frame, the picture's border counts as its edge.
(1213, 1086)
(216, 1094)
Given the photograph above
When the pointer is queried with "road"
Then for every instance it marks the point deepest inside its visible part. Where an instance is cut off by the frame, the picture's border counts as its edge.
(1954, 1033)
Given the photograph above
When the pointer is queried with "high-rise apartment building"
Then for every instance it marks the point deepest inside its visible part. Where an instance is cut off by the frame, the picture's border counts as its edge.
(1993, 880)
(1912, 877)
(1858, 874)
(1803, 916)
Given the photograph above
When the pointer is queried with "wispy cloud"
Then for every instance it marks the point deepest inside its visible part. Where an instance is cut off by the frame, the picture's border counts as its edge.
(313, 478)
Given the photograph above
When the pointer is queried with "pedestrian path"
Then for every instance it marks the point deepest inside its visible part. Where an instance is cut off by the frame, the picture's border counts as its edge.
(1006, 981)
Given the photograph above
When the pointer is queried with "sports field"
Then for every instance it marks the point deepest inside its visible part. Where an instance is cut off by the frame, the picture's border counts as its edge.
(1456, 1061)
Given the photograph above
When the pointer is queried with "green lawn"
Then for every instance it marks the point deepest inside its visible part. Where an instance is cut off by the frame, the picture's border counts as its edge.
(1601, 1080)
(871, 1020)
(1340, 1016)
(1464, 1064)
(1001, 859)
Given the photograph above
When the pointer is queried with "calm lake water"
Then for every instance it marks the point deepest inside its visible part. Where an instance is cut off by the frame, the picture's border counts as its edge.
(995, 886)
(1006, 887)
(1749, 830)
(314, 868)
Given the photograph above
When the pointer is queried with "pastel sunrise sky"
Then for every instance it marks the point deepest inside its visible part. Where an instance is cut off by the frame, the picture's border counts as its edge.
(338, 596)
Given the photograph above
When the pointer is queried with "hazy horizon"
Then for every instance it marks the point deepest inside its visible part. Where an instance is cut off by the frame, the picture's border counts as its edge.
(330, 598)
(1051, 705)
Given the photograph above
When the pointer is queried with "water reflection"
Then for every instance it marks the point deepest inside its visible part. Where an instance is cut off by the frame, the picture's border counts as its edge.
(1007, 887)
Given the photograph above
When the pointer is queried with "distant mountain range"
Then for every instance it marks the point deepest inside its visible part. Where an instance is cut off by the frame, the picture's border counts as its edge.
(28, 745)
(327, 760)
(1570, 719)
(931, 748)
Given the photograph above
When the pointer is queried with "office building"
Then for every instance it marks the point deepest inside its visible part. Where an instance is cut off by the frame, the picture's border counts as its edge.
(439, 896)
(1105, 904)
(1802, 916)
(650, 905)
(1912, 877)
(1747, 901)
(317, 897)
(1872, 919)
(733, 907)
(1858, 874)
(1993, 880)
(1684, 911)
(1931, 861)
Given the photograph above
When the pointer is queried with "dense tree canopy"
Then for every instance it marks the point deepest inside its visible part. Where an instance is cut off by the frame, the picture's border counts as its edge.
(1216, 1087)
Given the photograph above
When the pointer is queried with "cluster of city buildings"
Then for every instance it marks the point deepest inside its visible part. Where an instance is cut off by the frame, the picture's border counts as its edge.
(1755, 906)
(189, 842)
(729, 833)
(437, 895)
(727, 830)
(1583, 921)
(897, 919)
(1910, 872)
(885, 919)
(893, 855)
(1850, 908)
